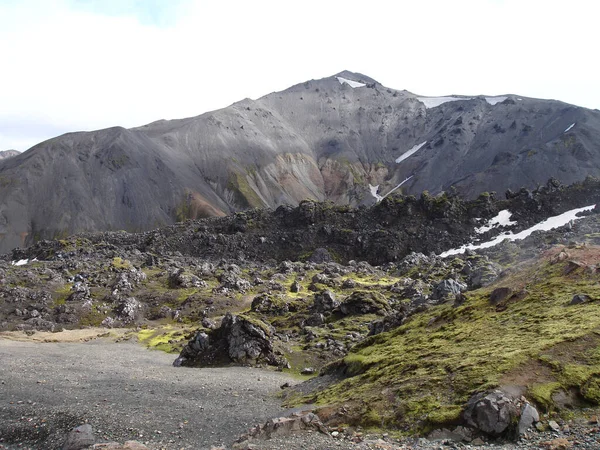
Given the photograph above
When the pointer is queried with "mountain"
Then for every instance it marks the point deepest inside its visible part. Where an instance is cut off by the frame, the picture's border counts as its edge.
(8, 153)
(344, 138)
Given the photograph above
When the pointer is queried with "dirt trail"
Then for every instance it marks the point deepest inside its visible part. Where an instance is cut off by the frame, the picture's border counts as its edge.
(126, 392)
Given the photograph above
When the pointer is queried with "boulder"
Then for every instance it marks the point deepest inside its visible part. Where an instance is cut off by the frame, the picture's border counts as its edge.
(270, 305)
(500, 294)
(529, 416)
(362, 302)
(491, 413)
(240, 339)
(128, 309)
(284, 426)
(80, 437)
(325, 301)
(580, 298)
(180, 278)
(447, 287)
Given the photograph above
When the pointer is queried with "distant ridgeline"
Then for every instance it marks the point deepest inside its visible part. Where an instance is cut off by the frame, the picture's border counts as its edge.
(379, 234)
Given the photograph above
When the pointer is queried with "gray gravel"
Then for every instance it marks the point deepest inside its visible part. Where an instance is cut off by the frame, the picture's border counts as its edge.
(129, 393)
(126, 392)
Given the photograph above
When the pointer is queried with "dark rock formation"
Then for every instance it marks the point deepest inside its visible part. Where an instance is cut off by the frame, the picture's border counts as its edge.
(239, 339)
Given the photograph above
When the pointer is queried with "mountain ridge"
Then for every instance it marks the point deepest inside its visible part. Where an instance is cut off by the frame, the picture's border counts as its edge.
(321, 139)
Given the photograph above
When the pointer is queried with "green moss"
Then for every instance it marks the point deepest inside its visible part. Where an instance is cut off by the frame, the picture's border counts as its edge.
(121, 264)
(541, 393)
(439, 358)
(168, 339)
(245, 195)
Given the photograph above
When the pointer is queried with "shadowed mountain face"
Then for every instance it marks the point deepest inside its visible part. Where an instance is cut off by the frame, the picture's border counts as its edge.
(329, 139)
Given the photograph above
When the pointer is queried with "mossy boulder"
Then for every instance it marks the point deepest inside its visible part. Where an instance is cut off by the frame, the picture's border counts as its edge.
(362, 302)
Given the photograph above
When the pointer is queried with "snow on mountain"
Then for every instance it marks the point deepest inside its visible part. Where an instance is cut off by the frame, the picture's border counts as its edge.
(569, 127)
(495, 100)
(501, 219)
(352, 84)
(412, 151)
(546, 225)
(432, 102)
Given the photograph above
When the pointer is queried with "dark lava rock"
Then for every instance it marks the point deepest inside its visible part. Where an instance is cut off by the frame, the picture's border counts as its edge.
(447, 287)
(580, 298)
(270, 305)
(239, 339)
(493, 413)
(325, 301)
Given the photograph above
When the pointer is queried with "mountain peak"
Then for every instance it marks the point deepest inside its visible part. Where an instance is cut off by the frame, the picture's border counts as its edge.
(355, 76)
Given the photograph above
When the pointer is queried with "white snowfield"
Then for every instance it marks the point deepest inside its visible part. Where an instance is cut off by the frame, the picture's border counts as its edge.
(352, 84)
(374, 192)
(412, 151)
(432, 102)
(22, 262)
(548, 224)
(569, 127)
(501, 219)
(495, 100)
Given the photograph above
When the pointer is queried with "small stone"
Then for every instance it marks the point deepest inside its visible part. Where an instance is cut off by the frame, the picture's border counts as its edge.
(553, 425)
(478, 442)
(557, 444)
(308, 371)
(540, 427)
(285, 385)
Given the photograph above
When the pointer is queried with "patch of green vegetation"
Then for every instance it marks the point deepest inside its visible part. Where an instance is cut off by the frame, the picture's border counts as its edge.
(168, 339)
(121, 264)
(245, 195)
(61, 294)
(93, 318)
(541, 393)
(436, 361)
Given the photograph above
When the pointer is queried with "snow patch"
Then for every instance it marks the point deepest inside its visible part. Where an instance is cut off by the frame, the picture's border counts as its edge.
(20, 262)
(501, 219)
(569, 127)
(352, 84)
(432, 102)
(374, 192)
(495, 100)
(546, 225)
(412, 151)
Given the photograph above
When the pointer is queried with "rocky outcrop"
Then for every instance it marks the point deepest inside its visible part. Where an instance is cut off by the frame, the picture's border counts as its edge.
(497, 413)
(361, 302)
(239, 339)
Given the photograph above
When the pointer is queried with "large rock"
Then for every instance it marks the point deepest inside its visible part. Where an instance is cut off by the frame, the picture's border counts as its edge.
(284, 426)
(80, 437)
(362, 302)
(447, 287)
(529, 416)
(491, 413)
(239, 339)
(325, 301)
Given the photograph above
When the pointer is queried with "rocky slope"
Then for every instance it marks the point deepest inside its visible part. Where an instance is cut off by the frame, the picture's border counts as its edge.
(414, 343)
(325, 139)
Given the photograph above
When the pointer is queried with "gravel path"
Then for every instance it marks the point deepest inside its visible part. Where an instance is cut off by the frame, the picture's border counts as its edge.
(126, 392)
(129, 393)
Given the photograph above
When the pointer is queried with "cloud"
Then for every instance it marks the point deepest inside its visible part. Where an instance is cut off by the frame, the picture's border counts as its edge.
(88, 64)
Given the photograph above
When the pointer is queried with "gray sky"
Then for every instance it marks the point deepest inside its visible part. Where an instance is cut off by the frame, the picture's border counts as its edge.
(70, 65)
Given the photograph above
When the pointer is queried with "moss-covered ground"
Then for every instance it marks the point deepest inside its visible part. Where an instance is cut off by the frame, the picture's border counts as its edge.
(420, 375)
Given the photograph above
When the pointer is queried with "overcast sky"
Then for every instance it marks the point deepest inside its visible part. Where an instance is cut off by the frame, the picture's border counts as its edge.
(70, 65)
